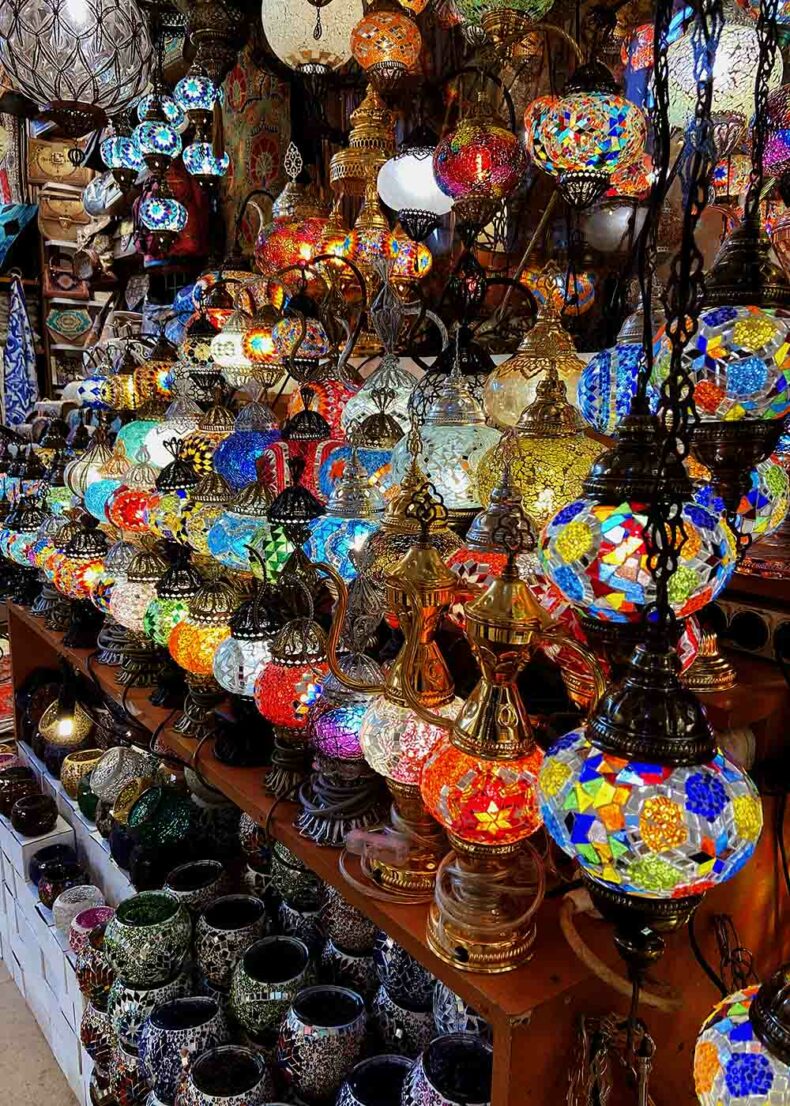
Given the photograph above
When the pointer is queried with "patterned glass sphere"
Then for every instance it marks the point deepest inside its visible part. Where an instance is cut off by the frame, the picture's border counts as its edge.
(365, 246)
(734, 72)
(121, 152)
(482, 801)
(334, 539)
(395, 742)
(77, 578)
(284, 693)
(649, 829)
(132, 436)
(549, 472)
(336, 731)
(732, 1067)
(201, 161)
(410, 260)
(478, 159)
(375, 463)
(96, 496)
(193, 646)
(329, 398)
(763, 508)
(167, 514)
(170, 429)
(162, 616)
(235, 457)
(156, 137)
(563, 291)
(776, 157)
(584, 131)
(597, 556)
(450, 456)
(230, 537)
(301, 338)
(237, 664)
(163, 213)
(286, 242)
(607, 385)
(290, 34)
(129, 602)
(198, 452)
(198, 523)
(386, 37)
(739, 362)
(19, 545)
(170, 107)
(195, 92)
(730, 176)
(127, 508)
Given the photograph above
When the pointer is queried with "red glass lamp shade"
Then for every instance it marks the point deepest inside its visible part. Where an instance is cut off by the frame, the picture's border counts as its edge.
(77, 578)
(284, 243)
(475, 570)
(192, 646)
(483, 802)
(328, 398)
(479, 163)
(284, 693)
(126, 508)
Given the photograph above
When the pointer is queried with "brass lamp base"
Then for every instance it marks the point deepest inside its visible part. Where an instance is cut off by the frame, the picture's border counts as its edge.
(290, 764)
(52, 607)
(140, 662)
(197, 719)
(427, 844)
(710, 671)
(486, 899)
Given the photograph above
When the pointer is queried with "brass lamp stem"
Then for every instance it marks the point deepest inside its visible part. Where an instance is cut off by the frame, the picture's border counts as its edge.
(333, 641)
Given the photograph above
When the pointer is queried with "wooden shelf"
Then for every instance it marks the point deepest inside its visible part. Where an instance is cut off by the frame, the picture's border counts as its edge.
(533, 1010)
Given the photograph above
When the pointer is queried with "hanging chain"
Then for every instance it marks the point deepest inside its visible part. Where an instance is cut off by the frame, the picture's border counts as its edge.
(768, 46)
(677, 415)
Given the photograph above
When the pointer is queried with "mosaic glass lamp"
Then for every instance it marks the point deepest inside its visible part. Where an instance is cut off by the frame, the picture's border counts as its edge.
(209, 500)
(454, 438)
(290, 682)
(742, 1056)
(312, 40)
(242, 524)
(478, 164)
(512, 386)
(776, 157)
(156, 137)
(406, 184)
(388, 377)
(607, 384)
(181, 419)
(163, 216)
(734, 70)
(122, 156)
(585, 135)
(167, 514)
(763, 506)
(128, 602)
(170, 604)
(127, 506)
(386, 44)
(352, 514)
(254, 431)
(86, 468)
(559, 289)
(227, 350)
(202, 162)
(549, 452)
(214, 426)
(240, 658)
(132, 437)
(195, 94)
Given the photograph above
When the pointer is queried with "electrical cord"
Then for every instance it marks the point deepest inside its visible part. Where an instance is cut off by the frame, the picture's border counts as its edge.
(715, 979)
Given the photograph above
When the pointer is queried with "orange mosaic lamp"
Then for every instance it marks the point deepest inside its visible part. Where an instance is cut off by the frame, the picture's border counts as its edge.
(387, 45)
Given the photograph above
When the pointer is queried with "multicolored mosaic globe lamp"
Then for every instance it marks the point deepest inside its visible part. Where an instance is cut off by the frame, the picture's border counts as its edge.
(585, 135)
(353, 513)
(170, 605)
(242, 524)
(386, 44)
(742, 1054)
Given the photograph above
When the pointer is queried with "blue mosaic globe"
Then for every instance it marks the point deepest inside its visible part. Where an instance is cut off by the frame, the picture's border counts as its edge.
(732, 1067)
(231, 535)
(334, 539)
(96, 496)
(651, 830)
(607, 386)
(763, 508)
(235, 458)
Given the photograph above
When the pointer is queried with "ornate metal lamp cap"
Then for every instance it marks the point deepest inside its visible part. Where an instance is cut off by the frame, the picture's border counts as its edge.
(179, 474)
(455, 405)
(651, 716)
(217, 420)
(295, 505)
(254, 620)
(770, 1014)
(353, 496)
(25, 516)
(145, 566)
(252, 500)
(381, 430)
(307, 425)
(633, 328)
(181, 581)
(31, 466)
(550, 415)
(594, 76)
(214, 603)
(300, 641)
(746, 271)
(505, 502)
(162, 349)
(88, 542)
(629, 469)
(142, 474)
(212, 488)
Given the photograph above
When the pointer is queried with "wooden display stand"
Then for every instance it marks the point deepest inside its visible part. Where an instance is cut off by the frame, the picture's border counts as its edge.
(534, 1011)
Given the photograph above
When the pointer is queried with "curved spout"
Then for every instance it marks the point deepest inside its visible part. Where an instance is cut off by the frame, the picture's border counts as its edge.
(333, 640)
(586, 654)
(409, 661)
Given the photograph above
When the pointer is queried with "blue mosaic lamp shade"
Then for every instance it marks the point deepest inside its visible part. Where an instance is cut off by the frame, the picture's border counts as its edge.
(763, 508)
(739, 362)
(334, 539)
(132, 436)
(375, 463)
(597, 556)
(121, 152)
(195, 92)
(96, 496)
(732, 1067)
(231, 535)
(89, 393)
(235, 458)
(159, 213)
(155, 137)
(650, 830)
(607, 385)
(170, 108)
(200, 161)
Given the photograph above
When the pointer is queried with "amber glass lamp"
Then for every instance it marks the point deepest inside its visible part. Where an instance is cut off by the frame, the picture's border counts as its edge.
(513, 384)
(192, 645)
(549, 450)
(386, 43)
